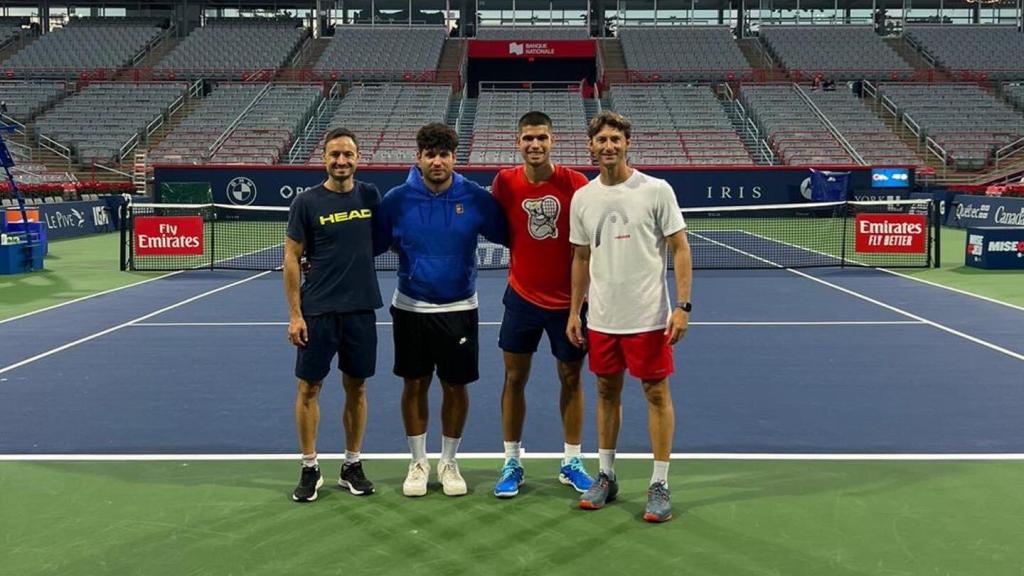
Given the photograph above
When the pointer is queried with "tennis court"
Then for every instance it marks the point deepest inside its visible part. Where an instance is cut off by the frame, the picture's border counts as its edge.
(828, 422)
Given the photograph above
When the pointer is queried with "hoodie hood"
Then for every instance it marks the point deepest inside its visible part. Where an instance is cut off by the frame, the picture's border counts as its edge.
(415, 181)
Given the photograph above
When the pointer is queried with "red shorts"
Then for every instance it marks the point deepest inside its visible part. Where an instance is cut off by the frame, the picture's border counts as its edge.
(647, 354)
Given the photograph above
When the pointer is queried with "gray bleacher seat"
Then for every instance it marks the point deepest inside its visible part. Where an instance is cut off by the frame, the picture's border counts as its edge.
(794, 132)
(25, 100)
(382, 54)
(989, 51)
(863, 129)
(83, 47)
(967, 122)
(233, 49)
(101, 120)
(677, 53)
(840, 52)
(385, 118)
(494, 129)
(678, 124)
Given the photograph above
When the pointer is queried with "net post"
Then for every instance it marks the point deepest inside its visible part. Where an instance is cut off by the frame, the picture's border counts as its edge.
(937, 231)
(842, 245)
(213, 235)
(123, 229)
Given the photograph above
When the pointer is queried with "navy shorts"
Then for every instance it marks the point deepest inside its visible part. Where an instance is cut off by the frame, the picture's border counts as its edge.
(525, 322)
(447, 341)
(352, 336)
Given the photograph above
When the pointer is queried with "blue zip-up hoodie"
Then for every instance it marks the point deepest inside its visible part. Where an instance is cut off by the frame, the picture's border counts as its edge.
(435, 236)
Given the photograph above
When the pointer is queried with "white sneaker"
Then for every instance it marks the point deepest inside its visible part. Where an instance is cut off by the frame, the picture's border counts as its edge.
(450, 478)
(416, 480)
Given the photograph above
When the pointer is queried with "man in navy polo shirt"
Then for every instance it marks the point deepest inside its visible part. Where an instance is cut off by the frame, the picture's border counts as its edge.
(333, 310)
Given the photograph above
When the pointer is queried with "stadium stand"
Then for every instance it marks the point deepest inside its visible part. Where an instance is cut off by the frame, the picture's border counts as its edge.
(964, 120)
(233, 49)
(676, 53)
(191, 141)
(495, 127)
(385, 118)
(268, 128)
(678, 124)
(382, 54)
(8, 32)
(863, 129)
(101, 49)
(100, 123)
(1014, 93)
(532, 33)
(840, 52)
(794, 132)
(982, 51)
(25, 100)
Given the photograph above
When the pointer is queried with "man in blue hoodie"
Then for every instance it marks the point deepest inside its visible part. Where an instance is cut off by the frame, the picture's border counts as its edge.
(432, 222)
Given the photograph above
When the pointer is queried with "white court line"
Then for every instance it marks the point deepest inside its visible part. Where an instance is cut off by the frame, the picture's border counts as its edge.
(128, 323)
(765, 323)
(500, 455)
(855, 294)
(76, 300)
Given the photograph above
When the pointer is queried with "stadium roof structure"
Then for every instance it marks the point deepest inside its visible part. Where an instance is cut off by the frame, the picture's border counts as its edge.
(638, 5)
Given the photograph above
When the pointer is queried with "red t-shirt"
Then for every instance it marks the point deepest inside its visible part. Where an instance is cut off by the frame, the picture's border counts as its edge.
(538, 226)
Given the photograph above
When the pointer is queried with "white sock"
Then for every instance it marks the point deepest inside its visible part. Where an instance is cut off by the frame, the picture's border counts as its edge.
(351, 457)
(513, 450)
(309, 460)
(607, 462)
(418, 447)
(449, 446)
(660, 472)
(571, 451)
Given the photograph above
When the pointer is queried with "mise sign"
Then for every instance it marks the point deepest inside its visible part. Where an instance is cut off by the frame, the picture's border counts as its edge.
(168, 235)
(891, 233)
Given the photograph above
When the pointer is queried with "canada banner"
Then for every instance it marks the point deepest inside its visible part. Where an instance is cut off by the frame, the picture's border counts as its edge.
(168, 235)
(891, 233)
(532, 49)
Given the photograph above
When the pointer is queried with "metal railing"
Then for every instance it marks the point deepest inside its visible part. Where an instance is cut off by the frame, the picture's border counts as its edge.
(938, 151)
(1002, 154)
(303, 140)
(234, 123)
(55, 147)
(847, 146)
(128, 146)
(111, 169)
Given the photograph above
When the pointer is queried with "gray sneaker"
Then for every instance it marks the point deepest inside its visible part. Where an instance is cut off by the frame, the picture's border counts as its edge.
(659, 503)
(602, 491)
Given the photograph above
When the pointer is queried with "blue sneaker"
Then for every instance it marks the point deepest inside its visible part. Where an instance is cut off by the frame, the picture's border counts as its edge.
(575, 475)
(510, 480)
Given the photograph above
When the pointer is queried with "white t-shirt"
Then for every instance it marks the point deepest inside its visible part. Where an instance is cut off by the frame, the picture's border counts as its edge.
(625, 226)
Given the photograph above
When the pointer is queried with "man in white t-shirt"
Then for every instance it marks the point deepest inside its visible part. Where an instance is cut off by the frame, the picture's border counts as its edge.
(620, 224)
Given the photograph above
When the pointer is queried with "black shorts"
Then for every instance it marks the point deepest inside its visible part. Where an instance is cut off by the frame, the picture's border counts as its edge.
(446, 341)
(352, 336)
(525, 323)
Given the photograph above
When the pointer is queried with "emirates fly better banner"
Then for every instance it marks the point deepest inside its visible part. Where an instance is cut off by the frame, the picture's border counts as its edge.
(169, 236)
(891, 233)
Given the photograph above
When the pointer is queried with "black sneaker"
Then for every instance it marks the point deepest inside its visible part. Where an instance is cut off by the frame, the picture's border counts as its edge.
(352, 477)
(309, 482)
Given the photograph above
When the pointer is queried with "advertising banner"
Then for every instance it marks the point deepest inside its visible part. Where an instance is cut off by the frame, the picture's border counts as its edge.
(532, 49)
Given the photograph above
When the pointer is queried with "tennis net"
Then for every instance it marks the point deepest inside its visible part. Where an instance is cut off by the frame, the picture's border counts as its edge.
(889, 234)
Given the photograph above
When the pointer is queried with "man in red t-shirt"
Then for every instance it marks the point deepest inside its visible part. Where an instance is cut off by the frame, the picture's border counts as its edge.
(535, 198)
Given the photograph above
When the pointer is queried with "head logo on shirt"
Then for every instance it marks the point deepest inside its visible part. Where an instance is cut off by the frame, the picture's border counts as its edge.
(543, 216)
(614, 215)
(459, 209)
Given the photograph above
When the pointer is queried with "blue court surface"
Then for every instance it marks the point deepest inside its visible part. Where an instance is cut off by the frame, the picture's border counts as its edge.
(834, 361)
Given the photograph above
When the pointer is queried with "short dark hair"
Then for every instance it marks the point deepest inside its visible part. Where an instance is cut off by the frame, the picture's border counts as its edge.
(336, 133)
(612, 119)
(535, 118)
(436, 136)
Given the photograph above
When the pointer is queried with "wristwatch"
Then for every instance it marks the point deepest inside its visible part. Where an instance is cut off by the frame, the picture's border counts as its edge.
(684, 306)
